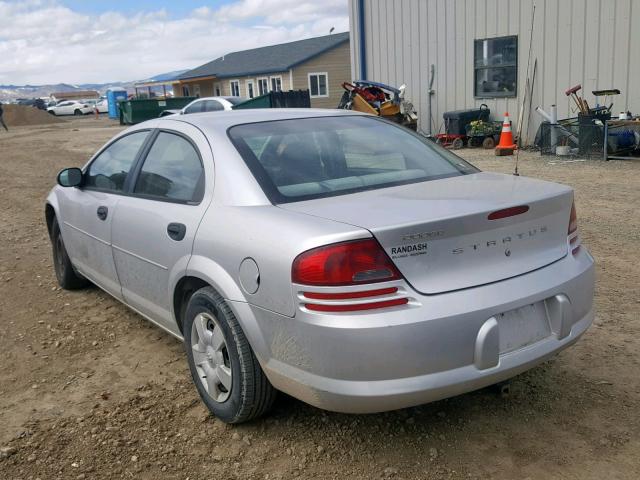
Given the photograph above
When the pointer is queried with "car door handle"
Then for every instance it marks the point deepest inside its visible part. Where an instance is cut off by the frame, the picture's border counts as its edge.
(102, 212)
(176, 231)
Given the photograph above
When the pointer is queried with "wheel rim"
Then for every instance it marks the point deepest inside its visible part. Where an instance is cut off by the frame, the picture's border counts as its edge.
(211, 357)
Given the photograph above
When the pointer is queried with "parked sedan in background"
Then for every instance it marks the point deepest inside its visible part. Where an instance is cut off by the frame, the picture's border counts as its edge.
(70, 107)
(206, 104)
(335, 256)
(101, 105)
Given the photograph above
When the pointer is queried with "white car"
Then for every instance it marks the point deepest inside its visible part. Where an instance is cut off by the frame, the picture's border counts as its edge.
(206, 104)
(101, 105)
(70, 107)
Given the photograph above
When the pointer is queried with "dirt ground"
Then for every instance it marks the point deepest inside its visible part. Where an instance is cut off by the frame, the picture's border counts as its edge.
(89, 389)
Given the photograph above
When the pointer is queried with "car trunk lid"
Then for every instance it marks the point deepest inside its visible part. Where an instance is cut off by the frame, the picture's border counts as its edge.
(439, 233)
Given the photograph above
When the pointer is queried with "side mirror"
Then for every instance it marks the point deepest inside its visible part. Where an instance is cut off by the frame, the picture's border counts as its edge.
(70, 177)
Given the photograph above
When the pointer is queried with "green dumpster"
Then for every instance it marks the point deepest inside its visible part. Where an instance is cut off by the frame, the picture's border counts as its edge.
(290, 99)
(136, 111)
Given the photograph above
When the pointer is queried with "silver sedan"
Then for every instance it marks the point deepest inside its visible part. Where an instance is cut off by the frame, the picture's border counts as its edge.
(330, 255)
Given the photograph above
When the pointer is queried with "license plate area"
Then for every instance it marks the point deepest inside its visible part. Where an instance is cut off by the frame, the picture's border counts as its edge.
(523, 326)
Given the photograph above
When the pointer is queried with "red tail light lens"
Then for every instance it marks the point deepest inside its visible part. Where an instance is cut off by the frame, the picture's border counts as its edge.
(573, 220)
(346, 263)
(574, 240)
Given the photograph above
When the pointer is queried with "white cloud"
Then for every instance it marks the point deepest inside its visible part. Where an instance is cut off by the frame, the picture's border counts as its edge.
(42, 41)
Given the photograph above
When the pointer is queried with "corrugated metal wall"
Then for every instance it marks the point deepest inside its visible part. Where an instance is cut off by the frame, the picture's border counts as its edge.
(592, 42)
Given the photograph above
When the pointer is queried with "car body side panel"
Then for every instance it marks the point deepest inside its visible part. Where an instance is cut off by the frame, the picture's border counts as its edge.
(146, 258)
(87, 238)
(270, 236)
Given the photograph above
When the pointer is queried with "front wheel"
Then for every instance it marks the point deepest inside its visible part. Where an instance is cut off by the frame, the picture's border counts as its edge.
(65, 273)
(225, 370)
(77, 112)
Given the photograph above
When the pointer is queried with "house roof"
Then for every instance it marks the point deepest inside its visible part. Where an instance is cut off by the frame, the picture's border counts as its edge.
(271, 59)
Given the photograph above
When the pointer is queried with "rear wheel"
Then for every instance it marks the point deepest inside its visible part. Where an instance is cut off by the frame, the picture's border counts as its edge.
(77, 112)
(225, 370)
(65, 274)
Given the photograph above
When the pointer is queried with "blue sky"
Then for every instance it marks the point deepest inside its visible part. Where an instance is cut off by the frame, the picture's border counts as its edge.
(74, 41)
(176, 8)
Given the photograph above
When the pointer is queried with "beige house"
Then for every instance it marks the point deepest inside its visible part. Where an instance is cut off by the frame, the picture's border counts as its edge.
(319, 64)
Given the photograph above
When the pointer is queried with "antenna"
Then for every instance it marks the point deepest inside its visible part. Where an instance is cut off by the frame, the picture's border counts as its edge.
(331, 30)
(533, 18)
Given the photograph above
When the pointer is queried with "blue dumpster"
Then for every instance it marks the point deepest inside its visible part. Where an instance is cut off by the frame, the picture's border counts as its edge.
(115, 95)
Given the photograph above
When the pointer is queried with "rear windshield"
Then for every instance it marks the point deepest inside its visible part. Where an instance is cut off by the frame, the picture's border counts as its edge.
(235, 100)
(308, 158)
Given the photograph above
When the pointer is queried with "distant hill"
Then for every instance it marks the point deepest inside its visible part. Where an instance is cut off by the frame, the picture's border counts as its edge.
(10, 93)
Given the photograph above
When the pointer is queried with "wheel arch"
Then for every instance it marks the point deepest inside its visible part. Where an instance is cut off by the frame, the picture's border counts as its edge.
(49, 215)
(203, 272)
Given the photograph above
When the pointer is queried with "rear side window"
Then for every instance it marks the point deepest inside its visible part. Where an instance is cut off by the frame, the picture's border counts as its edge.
(110, 169)
(319, 157)
(212, 106)
(172, 170)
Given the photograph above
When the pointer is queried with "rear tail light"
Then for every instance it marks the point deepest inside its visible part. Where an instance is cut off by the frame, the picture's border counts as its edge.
(574, 239)
(347, 264)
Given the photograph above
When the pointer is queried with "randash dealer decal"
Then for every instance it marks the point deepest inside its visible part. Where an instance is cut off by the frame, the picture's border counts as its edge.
(409, 250)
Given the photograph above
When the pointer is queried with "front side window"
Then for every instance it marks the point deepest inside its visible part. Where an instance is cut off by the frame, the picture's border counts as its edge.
(234, 86)
(172, 170)
(318, 157)
(263, 86)
(109, 170)
(496, 67)
(318, 85)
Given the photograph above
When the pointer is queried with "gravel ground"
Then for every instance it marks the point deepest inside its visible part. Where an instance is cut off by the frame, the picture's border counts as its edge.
(89, 389)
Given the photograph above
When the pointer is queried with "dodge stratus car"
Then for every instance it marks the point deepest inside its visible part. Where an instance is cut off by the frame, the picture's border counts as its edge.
(327, 254)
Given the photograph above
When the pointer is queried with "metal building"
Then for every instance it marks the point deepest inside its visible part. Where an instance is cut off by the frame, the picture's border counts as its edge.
(480, 48)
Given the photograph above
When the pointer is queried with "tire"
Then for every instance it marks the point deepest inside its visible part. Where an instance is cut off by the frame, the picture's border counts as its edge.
(53, 113)
(250, 394)
(77, 112)
(65, 273)
(457, 144)
(488, 143)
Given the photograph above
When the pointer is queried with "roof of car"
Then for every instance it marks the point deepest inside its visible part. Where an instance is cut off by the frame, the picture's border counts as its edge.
(216, 121)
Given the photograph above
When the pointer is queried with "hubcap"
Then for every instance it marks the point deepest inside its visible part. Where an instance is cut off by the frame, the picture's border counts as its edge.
(211, 357)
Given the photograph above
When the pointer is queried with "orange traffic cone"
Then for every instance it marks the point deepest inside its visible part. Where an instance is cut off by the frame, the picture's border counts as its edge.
(506, 145)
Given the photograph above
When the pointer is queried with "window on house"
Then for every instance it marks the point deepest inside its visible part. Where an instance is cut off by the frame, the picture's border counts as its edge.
(196, 90)
(263, 86)
(234, 87)
(250, 91)
(318, 85)
(496, 67)
(218, 91)
(185, 91)
(276, 84)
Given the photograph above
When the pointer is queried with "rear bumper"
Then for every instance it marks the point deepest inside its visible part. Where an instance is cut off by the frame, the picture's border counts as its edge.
(439, 346)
